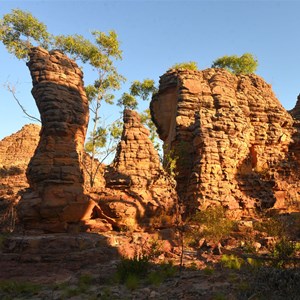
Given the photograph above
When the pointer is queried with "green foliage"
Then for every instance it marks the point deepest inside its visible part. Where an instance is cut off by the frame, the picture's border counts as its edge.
(15, 290)
(245, 64)
(273, 283)
(164, 272)
(283, 251)
(19, 31)
(101, 55)
(170, 162)
(191, 65)
(128, 101)
(147, 121)
(231, 261)
(97, 139)
(136, 267)
(143, 89)
(215, 225)
(272, 226)
(209, 271)
(83, 285)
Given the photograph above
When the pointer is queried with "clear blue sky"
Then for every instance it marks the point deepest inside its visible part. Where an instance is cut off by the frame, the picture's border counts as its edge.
(155, 35)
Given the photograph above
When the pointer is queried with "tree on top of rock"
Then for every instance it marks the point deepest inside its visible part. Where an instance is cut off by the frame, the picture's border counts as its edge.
(245, 64)
(20, 31)
(191, 65)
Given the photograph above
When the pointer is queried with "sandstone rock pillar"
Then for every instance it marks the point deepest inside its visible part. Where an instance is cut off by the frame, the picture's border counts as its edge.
(56, 197)
(146, 195)
(231, 136)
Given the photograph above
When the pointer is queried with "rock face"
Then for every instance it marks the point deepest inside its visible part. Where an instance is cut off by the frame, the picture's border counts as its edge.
(16, 151)
(232, 137)
(141, 193)
(295, 112)
(56, 197)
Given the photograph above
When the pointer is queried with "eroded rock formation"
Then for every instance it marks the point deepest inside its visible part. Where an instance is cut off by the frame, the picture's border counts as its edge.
(141, 193)
(233, 138)
(56, 198)
(16, 151)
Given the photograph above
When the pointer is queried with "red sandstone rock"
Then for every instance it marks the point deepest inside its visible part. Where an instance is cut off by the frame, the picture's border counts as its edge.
(56, 196)
(141, 194)
(232, 136)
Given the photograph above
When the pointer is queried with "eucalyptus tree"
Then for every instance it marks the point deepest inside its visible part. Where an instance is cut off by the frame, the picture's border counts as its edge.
(20, 31)
(244, 64)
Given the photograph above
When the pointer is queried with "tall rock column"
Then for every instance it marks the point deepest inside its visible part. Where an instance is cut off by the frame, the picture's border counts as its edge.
(231, 137)
(142, 194)
(56, 196)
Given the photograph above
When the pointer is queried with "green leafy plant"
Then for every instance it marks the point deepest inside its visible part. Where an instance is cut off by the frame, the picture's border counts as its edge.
(272, 227)
(170, 161)
(136, 267)
(211, 224)
(231, 261)
(164, 271)
(191, 65)
(14, 289)
(84, 282)
(20, 30)
(244, 64)
(273, 283)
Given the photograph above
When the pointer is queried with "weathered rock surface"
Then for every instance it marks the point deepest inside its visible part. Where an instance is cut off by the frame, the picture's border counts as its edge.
(295, 112)
(139, 192)
(56, 196)
(16, 151)
(232, 136)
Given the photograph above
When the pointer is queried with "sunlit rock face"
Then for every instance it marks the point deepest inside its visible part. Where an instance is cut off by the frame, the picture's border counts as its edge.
(56, 197)
(232, 138)
(140, 194)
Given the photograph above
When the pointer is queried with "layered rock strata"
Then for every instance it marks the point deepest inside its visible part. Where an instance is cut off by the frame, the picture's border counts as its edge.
(141, 194)
(231, 137)
(16, 151)
(56, 197)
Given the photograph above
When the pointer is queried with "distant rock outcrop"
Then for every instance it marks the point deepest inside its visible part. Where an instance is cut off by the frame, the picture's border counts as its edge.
(16, 151)
(141, 192)
(56, 199)
(232, 137)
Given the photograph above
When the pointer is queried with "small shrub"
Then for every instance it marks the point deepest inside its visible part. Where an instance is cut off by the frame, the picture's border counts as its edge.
(219, 296)
(191, 65)
(273, 227)
(209, 271)
(283, 250)
(231, 261)
(253, 262)
(274, 283)
(137, 266)
(212, 224)
(15, 289)
(132, 281)
(165, 271)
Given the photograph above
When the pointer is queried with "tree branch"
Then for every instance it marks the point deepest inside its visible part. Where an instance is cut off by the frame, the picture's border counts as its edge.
(12, 91)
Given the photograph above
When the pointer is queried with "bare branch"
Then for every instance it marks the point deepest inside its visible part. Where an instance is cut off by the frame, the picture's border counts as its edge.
(12, 90)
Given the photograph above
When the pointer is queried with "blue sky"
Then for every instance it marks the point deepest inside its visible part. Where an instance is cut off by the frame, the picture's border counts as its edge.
(154, 35)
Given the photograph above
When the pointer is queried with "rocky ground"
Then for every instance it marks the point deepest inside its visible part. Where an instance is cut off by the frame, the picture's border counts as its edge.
(245, 265)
